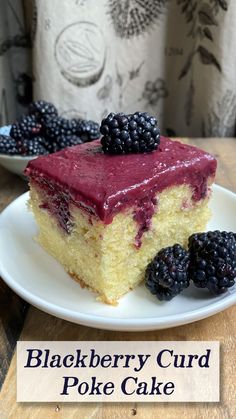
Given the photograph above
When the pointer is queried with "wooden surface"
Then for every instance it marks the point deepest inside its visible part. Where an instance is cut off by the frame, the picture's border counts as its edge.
(12, 308)
(221, 327)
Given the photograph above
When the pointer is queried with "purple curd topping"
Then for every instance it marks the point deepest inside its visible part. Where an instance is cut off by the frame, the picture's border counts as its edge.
(103, 185)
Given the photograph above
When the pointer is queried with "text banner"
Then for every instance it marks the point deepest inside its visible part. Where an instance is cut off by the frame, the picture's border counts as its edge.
(118, 371)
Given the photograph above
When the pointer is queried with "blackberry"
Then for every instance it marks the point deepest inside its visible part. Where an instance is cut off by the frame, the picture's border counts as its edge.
(64, 141)
(54, 127)
(26, 127)
(87, 130)
(135, 133)
(213, 260)
(50, 145)
(68, 126)
(41, 109)
(166, 276)
(8, 145)
(31, 147)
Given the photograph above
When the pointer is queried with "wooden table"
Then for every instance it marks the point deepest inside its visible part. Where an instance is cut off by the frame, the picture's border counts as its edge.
(41, 326)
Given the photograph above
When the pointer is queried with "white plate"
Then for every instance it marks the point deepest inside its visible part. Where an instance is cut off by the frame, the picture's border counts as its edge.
(41, 281)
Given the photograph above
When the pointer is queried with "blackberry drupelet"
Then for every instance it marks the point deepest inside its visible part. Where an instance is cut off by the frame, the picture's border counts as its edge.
(26, 127)
(87, 130)
(166, 276)
(31, 147)
(64, 141)
(8, 145)
(213, 260)
(41, 109)
(135, 133)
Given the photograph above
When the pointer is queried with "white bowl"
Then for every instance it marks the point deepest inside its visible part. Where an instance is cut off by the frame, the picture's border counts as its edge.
(15, 164)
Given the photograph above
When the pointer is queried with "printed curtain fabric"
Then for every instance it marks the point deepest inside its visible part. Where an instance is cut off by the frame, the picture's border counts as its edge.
(15, 61)
(172, 58)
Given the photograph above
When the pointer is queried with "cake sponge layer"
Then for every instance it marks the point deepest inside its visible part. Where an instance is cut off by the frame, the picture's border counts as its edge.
(104, 257)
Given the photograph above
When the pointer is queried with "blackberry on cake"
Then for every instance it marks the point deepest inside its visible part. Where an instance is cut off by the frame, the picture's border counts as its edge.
(167, 274)
(104, 217)
(213, 260)
(135, 133)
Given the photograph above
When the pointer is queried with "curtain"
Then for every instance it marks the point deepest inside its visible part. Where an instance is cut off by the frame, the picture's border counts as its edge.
(172, 58)
(15, 61)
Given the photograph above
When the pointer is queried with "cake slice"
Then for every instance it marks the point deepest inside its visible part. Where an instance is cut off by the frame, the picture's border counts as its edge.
(104, 217)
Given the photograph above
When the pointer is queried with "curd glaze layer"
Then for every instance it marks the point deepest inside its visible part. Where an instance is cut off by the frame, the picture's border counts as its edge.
(103, 184)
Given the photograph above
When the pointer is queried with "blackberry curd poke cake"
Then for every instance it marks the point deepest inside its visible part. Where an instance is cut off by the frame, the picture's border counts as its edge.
(105, 208)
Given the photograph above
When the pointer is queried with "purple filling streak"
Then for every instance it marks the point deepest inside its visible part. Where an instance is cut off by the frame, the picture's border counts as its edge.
(143, 216)
(56, 202)
(60, 210)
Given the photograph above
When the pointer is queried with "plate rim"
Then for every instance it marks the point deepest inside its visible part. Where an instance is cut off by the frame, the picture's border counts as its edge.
(115, 323)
